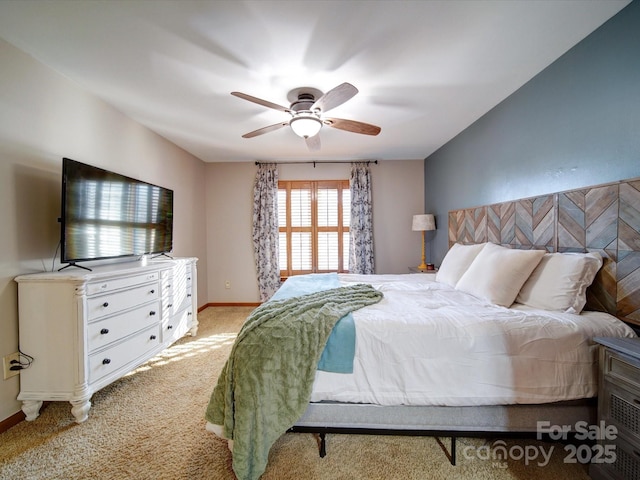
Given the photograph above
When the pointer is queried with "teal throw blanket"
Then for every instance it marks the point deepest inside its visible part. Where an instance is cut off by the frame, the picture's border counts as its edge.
(340, 349)
(266, 383)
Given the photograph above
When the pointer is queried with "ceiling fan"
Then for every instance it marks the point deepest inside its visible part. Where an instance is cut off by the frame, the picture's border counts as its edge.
(307, 109)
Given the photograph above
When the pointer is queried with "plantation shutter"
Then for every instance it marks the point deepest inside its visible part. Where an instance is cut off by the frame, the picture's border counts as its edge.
(313, 226)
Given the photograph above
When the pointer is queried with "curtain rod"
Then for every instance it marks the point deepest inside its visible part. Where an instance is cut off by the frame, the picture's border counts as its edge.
(314, 162)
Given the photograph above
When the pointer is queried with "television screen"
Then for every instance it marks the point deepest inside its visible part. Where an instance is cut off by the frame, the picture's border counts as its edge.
(107, 215)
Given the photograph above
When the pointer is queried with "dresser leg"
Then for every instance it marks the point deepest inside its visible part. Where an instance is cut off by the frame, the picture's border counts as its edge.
(31, 409)
(80, 409)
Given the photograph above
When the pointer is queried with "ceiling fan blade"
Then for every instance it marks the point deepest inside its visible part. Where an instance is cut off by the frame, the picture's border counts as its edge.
(313, 143)
(263, 130)
(259, 101)
(352, 126)
(334, 97)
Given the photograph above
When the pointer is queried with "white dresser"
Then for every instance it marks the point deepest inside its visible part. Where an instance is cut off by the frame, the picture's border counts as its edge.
(85, 329)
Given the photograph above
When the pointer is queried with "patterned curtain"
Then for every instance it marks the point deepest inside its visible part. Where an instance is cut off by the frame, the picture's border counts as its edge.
(265, 229)
(361, 228)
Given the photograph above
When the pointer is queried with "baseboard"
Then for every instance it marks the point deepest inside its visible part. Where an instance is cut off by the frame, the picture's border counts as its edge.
(12, 421)
(231, 304)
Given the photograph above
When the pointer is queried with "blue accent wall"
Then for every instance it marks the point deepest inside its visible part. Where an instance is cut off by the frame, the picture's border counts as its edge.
(575, 124)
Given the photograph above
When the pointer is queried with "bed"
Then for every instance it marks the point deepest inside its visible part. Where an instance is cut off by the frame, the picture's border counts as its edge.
(494, 342)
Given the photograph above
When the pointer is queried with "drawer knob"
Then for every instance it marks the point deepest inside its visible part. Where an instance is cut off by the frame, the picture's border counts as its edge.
(104, 331)
(152, 337)
(169, 327)
(152, 291)
(106, 361)
(170, 305)
(189, 313)
(188, 278)
(188, 295)
(105, 304)
(152, 313)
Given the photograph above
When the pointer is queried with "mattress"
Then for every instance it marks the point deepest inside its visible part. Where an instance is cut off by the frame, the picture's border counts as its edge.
(427, 343)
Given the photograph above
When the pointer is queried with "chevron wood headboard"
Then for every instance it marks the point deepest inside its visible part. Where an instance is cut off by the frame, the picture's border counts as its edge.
(602, 218)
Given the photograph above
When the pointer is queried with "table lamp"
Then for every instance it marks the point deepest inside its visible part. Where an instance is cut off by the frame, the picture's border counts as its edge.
(423, 223)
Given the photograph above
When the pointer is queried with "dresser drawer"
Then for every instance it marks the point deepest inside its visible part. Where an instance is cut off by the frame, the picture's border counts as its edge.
(626, 464)
(178, 325)
(621, 367)
(621, 408)
(107, 286)
(178, 301)
(111, 359)
(177, 280)
(102, 333)
(105, 305)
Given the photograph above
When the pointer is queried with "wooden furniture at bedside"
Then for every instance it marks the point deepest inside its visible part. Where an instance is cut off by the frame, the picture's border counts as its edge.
(619, 405)
(423, 270)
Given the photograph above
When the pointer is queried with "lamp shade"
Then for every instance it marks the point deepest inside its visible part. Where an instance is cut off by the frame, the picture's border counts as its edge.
(423, 222)
(305, 126)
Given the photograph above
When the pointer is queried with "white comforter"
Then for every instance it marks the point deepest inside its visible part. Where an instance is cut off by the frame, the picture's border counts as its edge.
(426, 343)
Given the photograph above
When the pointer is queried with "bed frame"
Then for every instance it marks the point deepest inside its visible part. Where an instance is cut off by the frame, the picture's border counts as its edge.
(603, 218)
(481, 421)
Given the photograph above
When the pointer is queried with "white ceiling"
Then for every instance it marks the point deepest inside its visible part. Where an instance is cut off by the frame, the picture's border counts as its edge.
(425, 69)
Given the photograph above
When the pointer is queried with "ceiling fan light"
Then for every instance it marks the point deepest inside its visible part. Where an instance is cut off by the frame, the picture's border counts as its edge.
(305, 126)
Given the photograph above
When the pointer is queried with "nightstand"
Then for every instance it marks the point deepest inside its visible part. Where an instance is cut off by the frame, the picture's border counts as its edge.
(619, 405)
(422, 270)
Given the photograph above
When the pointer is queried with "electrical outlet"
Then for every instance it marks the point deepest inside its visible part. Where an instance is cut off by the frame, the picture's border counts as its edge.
(227, 284)
(7, 365)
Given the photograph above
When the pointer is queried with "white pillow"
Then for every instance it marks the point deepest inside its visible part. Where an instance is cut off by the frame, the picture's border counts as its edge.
(498, 273)
(560, 282)
(456, 262)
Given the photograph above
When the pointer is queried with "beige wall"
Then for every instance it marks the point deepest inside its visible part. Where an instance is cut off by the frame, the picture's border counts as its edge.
(398, 194)
(229, 206)
(44, 117)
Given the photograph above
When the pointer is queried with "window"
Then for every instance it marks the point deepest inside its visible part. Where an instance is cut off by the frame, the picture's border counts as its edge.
(313, 220)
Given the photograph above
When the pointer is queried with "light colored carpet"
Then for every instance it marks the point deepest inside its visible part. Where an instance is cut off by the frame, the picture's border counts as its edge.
(150, 425)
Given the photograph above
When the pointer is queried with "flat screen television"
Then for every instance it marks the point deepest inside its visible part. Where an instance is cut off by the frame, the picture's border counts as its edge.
(108, 215)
